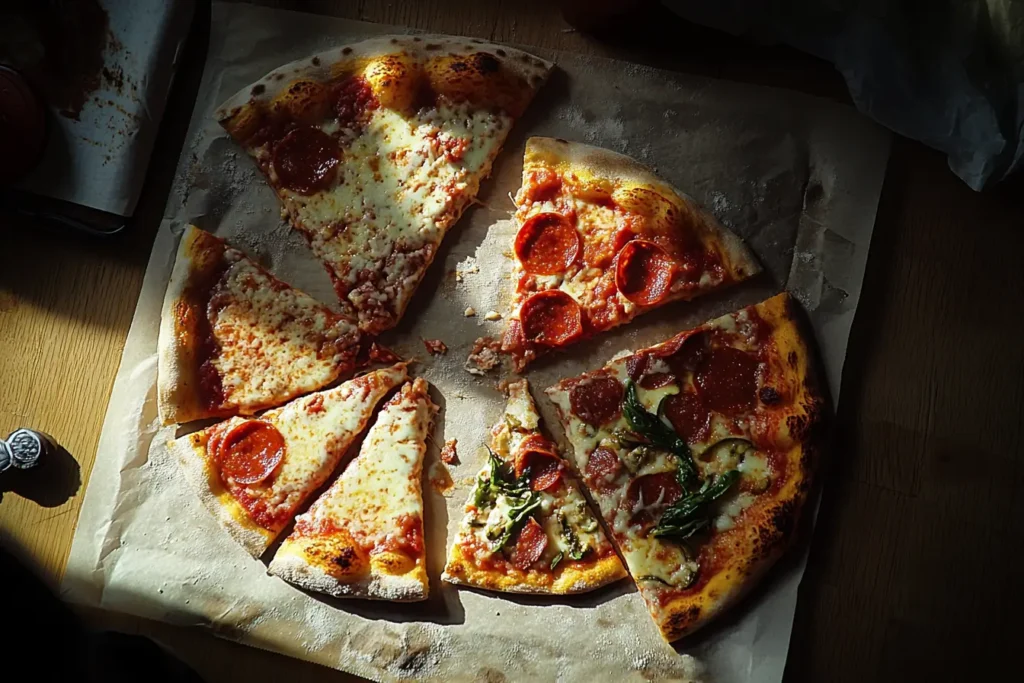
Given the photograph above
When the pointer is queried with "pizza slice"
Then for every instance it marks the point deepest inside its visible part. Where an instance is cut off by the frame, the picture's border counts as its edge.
(527, 527)
(699, 452)
(234, 339)
(376, 148)
(363, 538)
(602, 240)
(252, 474)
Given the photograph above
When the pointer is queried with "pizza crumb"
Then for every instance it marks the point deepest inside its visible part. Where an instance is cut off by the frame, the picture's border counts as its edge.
(440, 478)
(470, 312)
(492, 315)
(378, 353)
(484, 357)
(449, 454)
(435, 347)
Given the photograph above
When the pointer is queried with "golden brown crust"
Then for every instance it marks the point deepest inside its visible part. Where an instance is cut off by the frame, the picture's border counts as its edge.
(568, 577)
(395, 67)
(768, 527)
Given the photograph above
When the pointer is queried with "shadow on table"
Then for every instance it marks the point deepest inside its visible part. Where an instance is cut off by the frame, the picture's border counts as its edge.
(56, 479)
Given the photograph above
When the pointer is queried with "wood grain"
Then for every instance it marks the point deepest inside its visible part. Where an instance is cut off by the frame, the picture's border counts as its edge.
(912, 572)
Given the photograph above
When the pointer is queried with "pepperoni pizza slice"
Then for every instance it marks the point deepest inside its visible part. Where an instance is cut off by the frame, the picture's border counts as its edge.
(376, 148)
(363, 538)
(602, 240)
(234, 339)
(527, 527)
(699, 452)
(252, 474)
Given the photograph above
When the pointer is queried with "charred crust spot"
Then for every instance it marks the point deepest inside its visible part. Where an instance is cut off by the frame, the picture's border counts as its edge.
(486, 63)
(346, 51)
(562, 140)
(432, 46)
(416, 39)
(278, 76)
(346, 558)
(500, 52)
(394, 41)
(258, 90)
(315, 61)
(769, 396)
(682, 620)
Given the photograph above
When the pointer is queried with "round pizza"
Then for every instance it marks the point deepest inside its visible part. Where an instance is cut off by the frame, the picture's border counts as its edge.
(602, 240)
(376, 148)
(699, 453)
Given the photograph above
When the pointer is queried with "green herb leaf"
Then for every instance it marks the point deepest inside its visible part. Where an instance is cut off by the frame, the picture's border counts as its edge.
(659, 434)
(689, 515)
(555, 560)
(576, 548)
(523, 501)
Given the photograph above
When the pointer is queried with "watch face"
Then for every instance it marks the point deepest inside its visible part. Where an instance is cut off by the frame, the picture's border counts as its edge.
(25, 447)
(24, 129)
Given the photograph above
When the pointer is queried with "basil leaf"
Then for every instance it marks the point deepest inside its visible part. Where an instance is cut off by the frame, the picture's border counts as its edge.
(690, 514)
(658, 434)
(555, 560)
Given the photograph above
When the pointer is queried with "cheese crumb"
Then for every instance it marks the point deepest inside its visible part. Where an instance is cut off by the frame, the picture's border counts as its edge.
(492, 315)
(470, 312)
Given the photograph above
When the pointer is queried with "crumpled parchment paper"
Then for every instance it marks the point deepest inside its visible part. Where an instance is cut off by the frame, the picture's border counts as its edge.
(796, 177)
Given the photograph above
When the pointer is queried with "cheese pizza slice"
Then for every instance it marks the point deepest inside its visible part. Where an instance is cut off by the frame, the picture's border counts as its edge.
(601, 240)
(527, 527)
(699, 452)
(376, 148)
(253, 474)
(363, 538)
(234, 339)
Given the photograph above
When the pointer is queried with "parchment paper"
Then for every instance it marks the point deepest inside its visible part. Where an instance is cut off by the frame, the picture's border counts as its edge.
(796, 177)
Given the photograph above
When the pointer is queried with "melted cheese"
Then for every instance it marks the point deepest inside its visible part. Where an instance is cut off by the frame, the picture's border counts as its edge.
(274, 341)
(397, 193)
(317, 429)
(382, 484)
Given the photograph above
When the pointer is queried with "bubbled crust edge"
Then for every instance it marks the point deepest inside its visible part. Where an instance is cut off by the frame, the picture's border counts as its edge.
(294, 568)
(774, 530)
(323, 65)
(177, 372)
(190, 452)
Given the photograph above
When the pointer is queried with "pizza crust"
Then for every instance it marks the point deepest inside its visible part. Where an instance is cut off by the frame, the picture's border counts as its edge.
(327, 64)
(772, 531)
(569, 579)
(191, 454)
(177, 384)
(291, 564)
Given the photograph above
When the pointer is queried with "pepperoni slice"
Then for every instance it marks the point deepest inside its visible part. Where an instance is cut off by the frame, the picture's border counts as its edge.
(662, 489)
(643, 273)
(637, 368)
(727, 380)
(539, 455)
(688, 415)
(636, 365)
(597, 401)
(603, 466)
(306, 160)
(547, 244)
(250, 451)
(551, 318)
(530, 545)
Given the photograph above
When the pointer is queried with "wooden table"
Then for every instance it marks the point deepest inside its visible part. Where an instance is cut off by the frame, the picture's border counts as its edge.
(914, 568)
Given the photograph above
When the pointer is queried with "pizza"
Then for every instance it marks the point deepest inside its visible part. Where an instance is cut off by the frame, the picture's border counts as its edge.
(254, 473)
(527, 528)
(234, 339)
(364, 537)
(699, 453)
(601, 240)
(376, 148)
